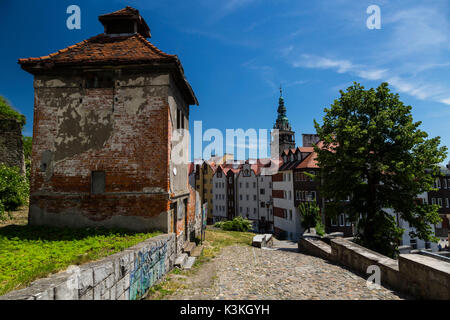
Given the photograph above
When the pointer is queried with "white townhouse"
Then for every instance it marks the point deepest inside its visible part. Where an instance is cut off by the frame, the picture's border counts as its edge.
(219, 195)
(247, 194)
(265, 199)
(286, 221)
(415, 243)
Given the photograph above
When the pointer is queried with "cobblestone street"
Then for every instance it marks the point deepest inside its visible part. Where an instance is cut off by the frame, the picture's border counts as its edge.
(243, 272)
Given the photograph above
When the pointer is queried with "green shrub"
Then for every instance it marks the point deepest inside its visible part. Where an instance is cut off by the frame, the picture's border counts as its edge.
(14, 189)
(237, 224)
(218, 224)
(320, 229)
(310, 215)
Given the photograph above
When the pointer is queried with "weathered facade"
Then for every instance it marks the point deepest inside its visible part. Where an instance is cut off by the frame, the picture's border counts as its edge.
(11, 144)
(105, 132)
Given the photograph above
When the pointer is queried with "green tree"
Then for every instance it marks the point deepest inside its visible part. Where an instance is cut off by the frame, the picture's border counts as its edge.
(14, 189)
(375, 154)
(311, 218)
(27, 142)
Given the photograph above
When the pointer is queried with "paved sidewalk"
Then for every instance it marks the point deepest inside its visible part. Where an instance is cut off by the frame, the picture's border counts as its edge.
(242, 272)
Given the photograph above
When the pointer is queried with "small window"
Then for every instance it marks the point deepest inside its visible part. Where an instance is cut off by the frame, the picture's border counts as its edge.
(413, 243)
(341, 220)
(98, 182)
(347, 221)
(262, 191)
(98, 80)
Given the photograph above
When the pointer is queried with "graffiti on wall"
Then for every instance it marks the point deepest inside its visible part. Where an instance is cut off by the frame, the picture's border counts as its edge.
(149, 267)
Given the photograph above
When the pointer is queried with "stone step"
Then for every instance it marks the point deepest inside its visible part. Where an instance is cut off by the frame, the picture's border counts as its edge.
(197, 251)
(180, 261)
(189, 263)
(189, 247)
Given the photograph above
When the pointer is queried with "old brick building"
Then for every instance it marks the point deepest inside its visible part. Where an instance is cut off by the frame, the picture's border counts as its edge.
(106, 110)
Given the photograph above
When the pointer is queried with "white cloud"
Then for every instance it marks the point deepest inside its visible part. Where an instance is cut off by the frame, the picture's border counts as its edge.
(228, 7)
(416, 88)
(340, 66)
(309, 61)
(446, 101)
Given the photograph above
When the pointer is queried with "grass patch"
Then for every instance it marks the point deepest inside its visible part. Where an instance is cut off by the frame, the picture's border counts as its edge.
(215, 240)
(31, 252)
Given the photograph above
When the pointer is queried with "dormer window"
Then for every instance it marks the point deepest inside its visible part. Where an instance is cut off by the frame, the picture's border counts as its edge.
(125, 22)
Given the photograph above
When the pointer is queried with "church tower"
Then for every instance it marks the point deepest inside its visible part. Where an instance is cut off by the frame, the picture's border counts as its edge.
(286, 135)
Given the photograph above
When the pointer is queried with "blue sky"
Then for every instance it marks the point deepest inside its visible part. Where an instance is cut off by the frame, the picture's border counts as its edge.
(236, 53)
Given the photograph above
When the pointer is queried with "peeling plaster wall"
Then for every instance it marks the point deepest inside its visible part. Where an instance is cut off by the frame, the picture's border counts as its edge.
(180, 144)
(125, 131)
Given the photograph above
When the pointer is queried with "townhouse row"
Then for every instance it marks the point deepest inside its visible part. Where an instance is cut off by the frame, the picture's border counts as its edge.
(235, 188)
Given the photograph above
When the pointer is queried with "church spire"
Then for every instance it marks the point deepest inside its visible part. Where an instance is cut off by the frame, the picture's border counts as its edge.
(282, 122)
(286, 138)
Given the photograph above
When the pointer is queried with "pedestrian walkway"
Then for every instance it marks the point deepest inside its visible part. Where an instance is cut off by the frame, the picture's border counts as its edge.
(281, 272)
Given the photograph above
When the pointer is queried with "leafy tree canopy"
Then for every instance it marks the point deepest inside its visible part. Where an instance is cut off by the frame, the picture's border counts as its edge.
(374, 154)
(27, 143)
(7, 112)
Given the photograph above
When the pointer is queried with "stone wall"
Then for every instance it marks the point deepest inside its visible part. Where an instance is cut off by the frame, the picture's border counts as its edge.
(417, 275)
(425, 277)
(11, 144)
(315, 247)
(126, 275)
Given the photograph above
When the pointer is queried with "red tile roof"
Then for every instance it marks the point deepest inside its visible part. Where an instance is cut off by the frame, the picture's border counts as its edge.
(191, 167)
(105, 49)
(309, 162)
(127, 11)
